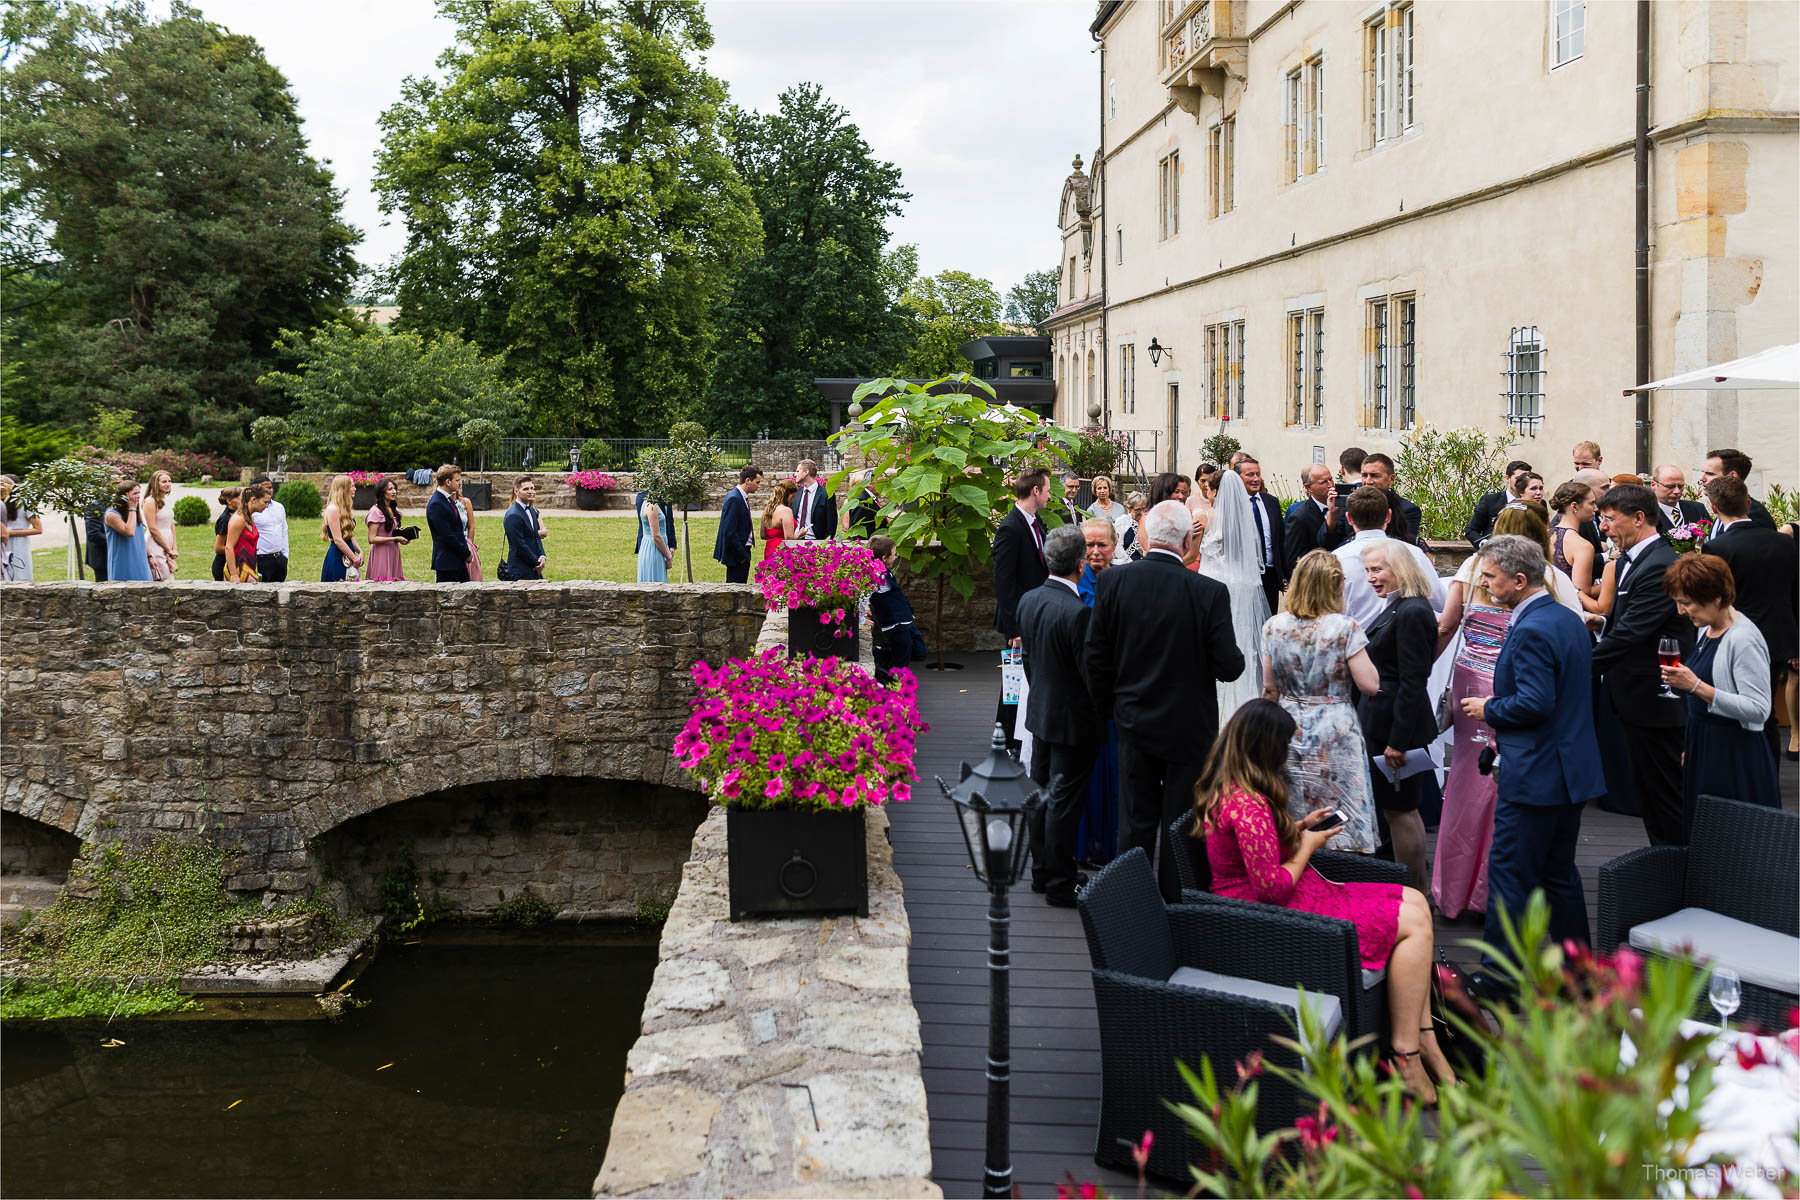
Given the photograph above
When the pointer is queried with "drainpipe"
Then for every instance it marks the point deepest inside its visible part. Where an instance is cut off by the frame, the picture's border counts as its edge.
(1105, 346)
(1641, 169)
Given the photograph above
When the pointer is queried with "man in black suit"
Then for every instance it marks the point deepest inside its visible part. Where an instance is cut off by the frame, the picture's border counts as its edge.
(1668, 482)
(444, 516)
(1733, 462)
(668, 512)
(1018, 567)
(1765, 568)
(524, 535)
(732, 545)
(1487, 509)
(1378, 472)
(815, 512)
(1265, 512)
(1336, 529)
(1068, 732)
(1159, 637)
(1642, 615)
(1307, 518)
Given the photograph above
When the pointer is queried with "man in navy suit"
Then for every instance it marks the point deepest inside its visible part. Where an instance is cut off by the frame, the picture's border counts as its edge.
(815, 512)
(1271, 535)
(1542, 711)
(732, 546)
(524, 540)
(444, 516)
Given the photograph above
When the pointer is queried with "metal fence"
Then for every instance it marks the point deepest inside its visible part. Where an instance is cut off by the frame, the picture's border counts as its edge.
(552, 454)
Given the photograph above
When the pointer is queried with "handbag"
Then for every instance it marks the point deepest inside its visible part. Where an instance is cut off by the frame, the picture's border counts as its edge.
(504, 571)
(1446, 711)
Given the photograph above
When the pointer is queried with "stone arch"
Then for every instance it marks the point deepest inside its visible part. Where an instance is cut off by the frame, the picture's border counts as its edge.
(45, 804)
(35, 849)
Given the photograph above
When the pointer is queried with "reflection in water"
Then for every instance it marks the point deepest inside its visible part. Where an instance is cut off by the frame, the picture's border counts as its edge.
(506, 1060)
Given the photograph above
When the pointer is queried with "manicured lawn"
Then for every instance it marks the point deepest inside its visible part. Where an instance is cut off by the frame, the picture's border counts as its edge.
(577, 548)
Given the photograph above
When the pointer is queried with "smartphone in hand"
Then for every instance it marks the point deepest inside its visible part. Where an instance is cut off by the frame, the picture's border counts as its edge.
(1331, 820)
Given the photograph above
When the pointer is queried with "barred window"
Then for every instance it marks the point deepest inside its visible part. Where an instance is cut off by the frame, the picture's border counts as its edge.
(1523, 372)
(1390, 395)
(1306, 366)
(1225, 369)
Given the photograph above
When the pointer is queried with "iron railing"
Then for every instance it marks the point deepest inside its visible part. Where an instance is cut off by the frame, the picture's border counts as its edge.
(552, 454)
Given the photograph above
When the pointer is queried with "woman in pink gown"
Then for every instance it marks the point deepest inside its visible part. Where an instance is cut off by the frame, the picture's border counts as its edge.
(1258, 852)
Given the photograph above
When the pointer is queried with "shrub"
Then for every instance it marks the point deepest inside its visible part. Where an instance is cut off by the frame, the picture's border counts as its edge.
(192, 510)
(687, 431)
(1096, 452)
(597, 455)
(1219, 448)
(300, 498)
(23, 446)
(188, 466)
(392, 450)
(1446, 471)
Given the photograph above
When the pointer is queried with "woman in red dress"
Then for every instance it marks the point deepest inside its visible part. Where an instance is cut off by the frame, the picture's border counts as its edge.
(778, 517)
(1258, 852)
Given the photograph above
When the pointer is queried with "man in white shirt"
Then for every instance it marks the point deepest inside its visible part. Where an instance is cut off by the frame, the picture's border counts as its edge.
(271, 538)
(1368, 511)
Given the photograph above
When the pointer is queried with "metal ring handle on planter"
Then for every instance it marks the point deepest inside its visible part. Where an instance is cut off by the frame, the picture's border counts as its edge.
(812, 881)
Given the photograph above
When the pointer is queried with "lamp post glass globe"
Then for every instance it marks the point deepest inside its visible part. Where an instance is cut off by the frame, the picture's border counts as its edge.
(993, 800)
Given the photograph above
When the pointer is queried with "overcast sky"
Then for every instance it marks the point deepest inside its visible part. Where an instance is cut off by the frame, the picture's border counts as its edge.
(981, 103)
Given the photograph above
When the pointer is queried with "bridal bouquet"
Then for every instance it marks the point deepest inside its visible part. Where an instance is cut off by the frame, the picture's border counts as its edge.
(1688, 538)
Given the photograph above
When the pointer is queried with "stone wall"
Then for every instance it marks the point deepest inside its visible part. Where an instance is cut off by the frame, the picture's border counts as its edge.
(552, 492)
(968, 624)
(586, 847)
(272, 715)
(783, 457)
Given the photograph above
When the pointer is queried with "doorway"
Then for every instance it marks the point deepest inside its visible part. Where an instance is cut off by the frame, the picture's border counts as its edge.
(1174, 427)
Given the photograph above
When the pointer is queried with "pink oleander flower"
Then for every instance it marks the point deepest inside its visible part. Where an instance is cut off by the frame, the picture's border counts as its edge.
(1316, 1132)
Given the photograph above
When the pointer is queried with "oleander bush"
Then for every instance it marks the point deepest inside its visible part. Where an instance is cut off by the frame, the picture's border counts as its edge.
(192, 510)
(1447, 471)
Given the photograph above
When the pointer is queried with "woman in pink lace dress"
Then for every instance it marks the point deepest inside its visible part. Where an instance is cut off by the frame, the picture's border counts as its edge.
(1258, 852)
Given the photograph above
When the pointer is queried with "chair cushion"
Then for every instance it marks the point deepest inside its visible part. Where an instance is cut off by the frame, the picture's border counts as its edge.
(1324, 1007)
(1760, 956)
(1371, 976)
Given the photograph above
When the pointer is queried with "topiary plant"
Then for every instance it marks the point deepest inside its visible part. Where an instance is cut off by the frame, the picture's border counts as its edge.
(300, 498)
(595, 453)
(274, 435)
(478, 434)
(683, 432)
(192, 510)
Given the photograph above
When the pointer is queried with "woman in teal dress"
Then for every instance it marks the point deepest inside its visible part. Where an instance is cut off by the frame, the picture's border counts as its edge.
(127, 556)
(653, 552)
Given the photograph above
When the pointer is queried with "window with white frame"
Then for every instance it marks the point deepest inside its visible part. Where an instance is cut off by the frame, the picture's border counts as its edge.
(1568, 31)
(1306, 366)
(1168, 196)
(1128, 378)
(1221, 166)
(1224, 344)
(1390, 391)
(1523, 373)
(1388, 60)
(1303, 119)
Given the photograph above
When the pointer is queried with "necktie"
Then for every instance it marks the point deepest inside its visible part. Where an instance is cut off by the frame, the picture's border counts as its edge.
(1037, 532)
(1262, 530)
(805, 505)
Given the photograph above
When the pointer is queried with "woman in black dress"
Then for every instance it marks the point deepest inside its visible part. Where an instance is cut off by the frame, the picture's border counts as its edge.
(1399, 717)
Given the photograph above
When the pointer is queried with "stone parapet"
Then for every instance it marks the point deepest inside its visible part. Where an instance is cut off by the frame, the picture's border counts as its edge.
(552, 492)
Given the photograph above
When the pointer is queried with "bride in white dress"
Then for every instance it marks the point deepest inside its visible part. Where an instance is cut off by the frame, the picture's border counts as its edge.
(1229, 553)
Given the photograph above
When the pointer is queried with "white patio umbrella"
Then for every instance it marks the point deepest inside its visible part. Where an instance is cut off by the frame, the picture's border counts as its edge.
(1778, 367)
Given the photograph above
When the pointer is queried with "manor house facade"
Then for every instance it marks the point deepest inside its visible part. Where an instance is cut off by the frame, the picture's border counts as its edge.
(1338, 221)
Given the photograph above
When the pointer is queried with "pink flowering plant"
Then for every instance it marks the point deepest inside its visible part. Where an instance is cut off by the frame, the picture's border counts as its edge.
(823, 575)
(591, 481)
(817, 733)
(364, 478)
(1688, 538)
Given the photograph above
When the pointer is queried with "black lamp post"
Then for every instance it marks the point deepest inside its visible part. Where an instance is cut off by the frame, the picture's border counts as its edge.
(994, 803)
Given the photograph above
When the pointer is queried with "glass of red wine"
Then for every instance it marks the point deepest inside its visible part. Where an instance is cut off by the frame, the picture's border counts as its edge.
(1668, 653)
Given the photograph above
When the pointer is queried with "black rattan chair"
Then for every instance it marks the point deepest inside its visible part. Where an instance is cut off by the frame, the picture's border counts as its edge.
(1148, 1024)
(1324, 938)
(1741, 861)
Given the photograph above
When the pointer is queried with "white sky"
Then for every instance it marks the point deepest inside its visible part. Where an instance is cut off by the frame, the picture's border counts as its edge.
(981, 103)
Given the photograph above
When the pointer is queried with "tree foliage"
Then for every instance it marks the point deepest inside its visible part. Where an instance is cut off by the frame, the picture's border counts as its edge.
(1032, 300)
(569, 203)
(163, 220)
(947, 309)
(816, 300)
(355, 378)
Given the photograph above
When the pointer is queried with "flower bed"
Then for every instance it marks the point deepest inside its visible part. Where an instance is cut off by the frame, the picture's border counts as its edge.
(183, 466)
(817, 575)
(811, 733)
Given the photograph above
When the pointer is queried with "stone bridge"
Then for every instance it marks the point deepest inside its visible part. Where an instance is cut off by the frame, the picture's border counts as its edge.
(271, 716)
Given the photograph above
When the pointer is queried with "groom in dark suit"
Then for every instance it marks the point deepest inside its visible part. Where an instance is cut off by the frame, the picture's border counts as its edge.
(524, 542)
(1642, 615)
(1271, 536)
(1018, 567)
(1068, 732)
(1159, 636)
(444, 517)
(1543, 717)
(732, 546)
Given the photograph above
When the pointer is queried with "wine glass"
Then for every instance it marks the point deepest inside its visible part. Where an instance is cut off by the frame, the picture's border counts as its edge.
(1725, 993)
(1668, 653)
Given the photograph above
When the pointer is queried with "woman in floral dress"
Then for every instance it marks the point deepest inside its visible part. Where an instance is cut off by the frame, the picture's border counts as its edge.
(1313, 655)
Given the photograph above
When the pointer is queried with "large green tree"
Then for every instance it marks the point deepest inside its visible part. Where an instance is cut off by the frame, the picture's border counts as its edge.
(815, 301)
(164, 220)
(1033, 299)
(569, 203)
(947, 309)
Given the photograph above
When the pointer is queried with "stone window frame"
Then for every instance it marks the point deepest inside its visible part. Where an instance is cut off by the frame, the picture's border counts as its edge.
(1223, 344)
(1221, 166)
(1389, 61)
(1128, 377)
(1390, 359)
(1168, 195)
(1303, 364)
(1523, 373)
(1303, 119)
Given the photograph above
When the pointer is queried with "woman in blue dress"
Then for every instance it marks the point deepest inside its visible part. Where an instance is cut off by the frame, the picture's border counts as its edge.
(127, 555)
(654, 555)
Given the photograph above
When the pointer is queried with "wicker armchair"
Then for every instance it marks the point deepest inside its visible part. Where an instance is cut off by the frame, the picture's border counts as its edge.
(1148, 1024)
(1741, 861)
(1304, 933)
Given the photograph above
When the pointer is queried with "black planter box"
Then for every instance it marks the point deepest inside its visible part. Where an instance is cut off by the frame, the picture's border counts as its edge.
(480, 494)
(364, 497)
(807, 636)
(787, 861)
(589, 498)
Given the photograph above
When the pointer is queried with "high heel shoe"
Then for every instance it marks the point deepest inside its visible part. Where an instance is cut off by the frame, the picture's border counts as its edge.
(1440, 1080)
(1421, 1089)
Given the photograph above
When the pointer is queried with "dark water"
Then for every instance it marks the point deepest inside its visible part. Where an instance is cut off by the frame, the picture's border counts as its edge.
(507, 1061)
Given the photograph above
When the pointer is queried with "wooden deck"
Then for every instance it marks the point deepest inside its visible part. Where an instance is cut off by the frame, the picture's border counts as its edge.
(1056, 1056)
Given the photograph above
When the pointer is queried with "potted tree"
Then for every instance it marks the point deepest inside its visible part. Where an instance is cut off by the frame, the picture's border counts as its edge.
(73, 486)
(676, 474)
(275, 435)
(797, 750)
(820, 585)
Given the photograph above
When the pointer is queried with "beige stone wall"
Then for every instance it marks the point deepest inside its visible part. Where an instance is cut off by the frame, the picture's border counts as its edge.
(1508, 203)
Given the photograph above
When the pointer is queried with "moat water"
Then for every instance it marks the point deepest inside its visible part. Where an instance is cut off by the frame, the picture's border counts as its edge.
(470, 1070)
